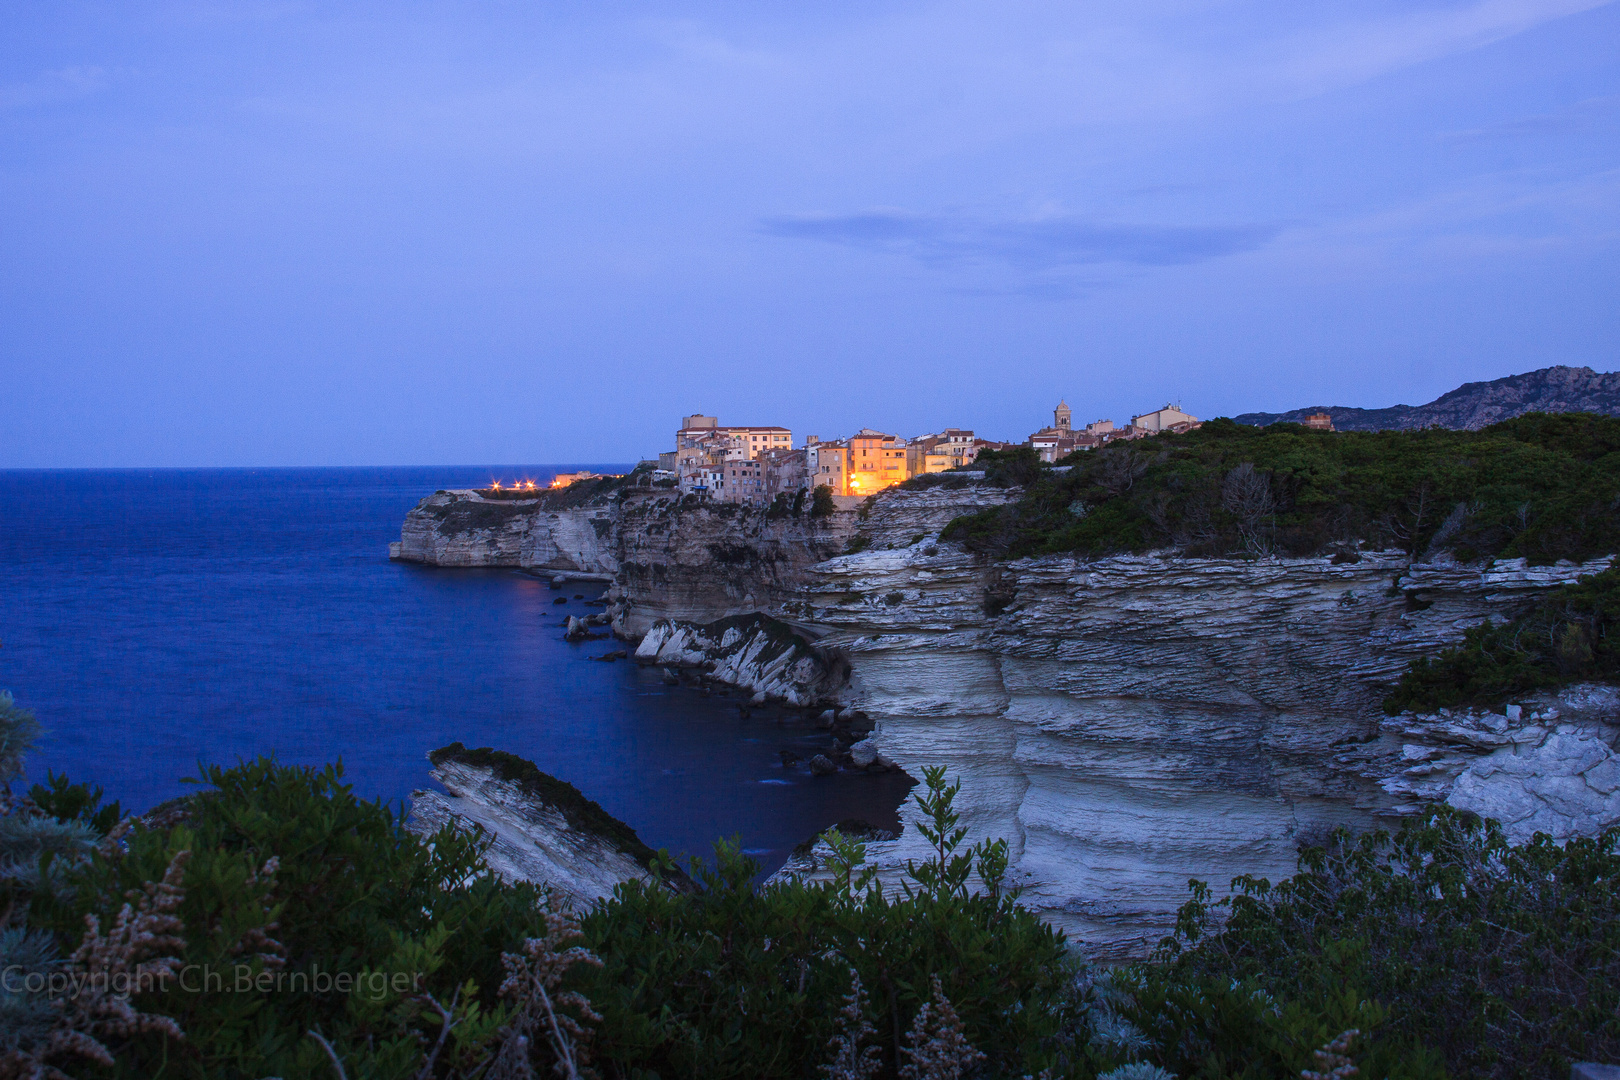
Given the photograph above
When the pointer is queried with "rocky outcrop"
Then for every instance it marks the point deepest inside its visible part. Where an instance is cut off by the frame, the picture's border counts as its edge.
(1126, 723)
(689, 563)
(754, 652)
(1133, 722)
(1475, 405)
(541, 829)
(682, 559)
(462, 528)
(1544, 764)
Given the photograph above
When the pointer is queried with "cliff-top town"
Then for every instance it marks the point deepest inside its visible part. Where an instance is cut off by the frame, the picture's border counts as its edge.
(756, 464)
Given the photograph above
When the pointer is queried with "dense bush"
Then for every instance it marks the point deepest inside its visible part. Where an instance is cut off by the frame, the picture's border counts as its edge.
(275, 924)
(1449, 948)
(345, 946)
(1540, 486)
(740, 981)
(1572, 635)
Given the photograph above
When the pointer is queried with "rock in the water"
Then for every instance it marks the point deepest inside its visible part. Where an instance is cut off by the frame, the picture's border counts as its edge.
(670, 678)
(826, 720)
(541, 829)
(616, 654)
(577, 630)
(822, 765)
(789, 758)
(864, 753)
(560, 600)
(764, 656)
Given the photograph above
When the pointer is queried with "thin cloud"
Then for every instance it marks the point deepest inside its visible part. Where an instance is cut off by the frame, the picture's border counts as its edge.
(1573, 117)
(1350, 54)
(1039, 244)
(65, 84)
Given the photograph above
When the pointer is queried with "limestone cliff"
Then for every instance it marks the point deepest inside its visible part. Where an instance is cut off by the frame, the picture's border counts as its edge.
(540, 829)
(757, 653)
(1132, 722)
(1126, 723)
(462, 528)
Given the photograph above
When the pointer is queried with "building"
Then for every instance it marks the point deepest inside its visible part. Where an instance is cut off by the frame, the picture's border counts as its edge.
(1320, 421)
(876, 461)
(1051, 445)
(742, 480)
(1168, 418)
(1060, 440)
(786, 471)
(949, 449)
(1100, 428)
(704, 450)
(827, 464)
(864, 464)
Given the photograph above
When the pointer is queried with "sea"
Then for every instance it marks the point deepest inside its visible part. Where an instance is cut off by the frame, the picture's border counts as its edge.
(156, 620)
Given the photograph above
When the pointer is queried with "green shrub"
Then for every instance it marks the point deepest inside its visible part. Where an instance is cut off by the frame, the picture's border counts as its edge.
(292, 878)
(1015, 466)
(1444, 944)
(1565, 639)
(1541, 487)
(1449, 950)
(278, 883)
(742, 981)
(821, 502)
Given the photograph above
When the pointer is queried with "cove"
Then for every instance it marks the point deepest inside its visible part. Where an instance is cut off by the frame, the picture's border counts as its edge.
(157, 618)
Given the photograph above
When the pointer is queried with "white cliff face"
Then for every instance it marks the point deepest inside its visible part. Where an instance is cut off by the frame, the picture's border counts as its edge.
(580, 540)
(1133, 722)
(533, 839)
(1545, 764)
(462, 528)
(759, 654)
(1125, 723)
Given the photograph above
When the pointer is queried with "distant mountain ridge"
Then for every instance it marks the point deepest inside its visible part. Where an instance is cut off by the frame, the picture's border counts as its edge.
(1475, 405)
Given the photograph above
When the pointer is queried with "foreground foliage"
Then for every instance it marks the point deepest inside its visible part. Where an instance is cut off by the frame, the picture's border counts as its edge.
(342, 945)
(1569, 637)
(1444, 943)
(1543, 487)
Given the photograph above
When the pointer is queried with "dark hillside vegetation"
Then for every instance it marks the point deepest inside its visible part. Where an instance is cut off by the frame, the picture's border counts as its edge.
(1542, 487)
(1572, 635)
(1487, 958)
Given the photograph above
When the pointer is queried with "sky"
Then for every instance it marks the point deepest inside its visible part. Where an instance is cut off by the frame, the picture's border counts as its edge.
(281, 233)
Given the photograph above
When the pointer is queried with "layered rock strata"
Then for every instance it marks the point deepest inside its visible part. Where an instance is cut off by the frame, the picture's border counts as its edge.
(1133, 722)
(754, 652)
(462, 528)
(541, 829)
(1126, 723)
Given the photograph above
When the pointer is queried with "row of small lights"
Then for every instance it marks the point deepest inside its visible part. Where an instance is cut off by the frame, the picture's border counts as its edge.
(521, 485)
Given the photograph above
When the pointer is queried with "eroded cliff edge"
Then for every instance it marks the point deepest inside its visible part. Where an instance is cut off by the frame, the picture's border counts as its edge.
(1127, 723)
(539, 828)
(1132, 722)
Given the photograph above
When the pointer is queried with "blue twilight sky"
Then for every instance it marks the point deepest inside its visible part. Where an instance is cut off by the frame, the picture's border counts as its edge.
(522, 230)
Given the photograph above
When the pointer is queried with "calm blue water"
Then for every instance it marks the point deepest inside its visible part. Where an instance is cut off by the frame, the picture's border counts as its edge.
(155, 618)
